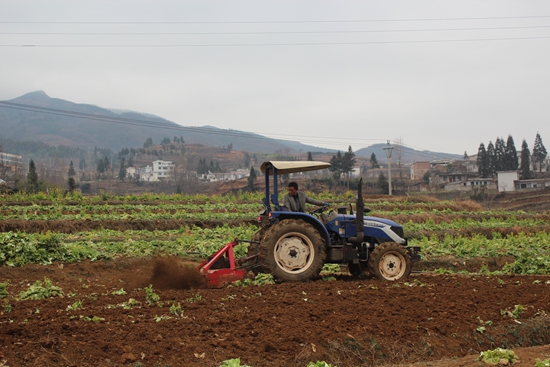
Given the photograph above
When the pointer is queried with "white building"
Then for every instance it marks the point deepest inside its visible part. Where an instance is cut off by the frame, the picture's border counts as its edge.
(506, 180)
(163, 169)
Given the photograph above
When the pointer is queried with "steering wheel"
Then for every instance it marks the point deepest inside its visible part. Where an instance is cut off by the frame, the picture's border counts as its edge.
(318, 210)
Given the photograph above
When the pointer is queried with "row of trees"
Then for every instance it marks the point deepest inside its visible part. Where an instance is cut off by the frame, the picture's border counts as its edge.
(342, 164)
(503, 156)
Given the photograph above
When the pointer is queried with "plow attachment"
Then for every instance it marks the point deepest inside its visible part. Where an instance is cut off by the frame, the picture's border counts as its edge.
(222, 267)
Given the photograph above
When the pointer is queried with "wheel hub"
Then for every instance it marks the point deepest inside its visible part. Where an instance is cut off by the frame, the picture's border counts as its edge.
(292, 253)
(392, 266)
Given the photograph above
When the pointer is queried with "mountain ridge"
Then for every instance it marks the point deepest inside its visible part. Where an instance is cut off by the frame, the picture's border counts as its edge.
(37, 116)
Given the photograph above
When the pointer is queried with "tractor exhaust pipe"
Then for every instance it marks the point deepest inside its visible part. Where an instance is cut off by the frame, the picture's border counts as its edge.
(359, 214)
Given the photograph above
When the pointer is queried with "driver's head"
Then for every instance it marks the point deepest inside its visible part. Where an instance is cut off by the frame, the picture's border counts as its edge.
(293, 188)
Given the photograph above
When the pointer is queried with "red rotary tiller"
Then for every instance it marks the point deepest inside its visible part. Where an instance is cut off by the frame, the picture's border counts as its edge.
(222, 267)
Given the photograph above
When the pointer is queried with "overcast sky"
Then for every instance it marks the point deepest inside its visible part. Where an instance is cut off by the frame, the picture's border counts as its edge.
(439, 75)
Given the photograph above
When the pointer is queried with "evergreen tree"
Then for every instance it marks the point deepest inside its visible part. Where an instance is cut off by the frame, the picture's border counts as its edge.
(465, 156)
(71, 183)
(251, 178)
(525, 167)
(500, 151)
(165, 141)
(510, 155)
(539, 152)
(491, 160)
(374, 161)
(82, 164)
(148, 143)
(32, 178)
(202, 167)
(122, 170)
(336, 165)
(309, 156)
(482, 161)
(246, 159)
(100, 166)
(71, 172)
(106, 163)
(348, 162)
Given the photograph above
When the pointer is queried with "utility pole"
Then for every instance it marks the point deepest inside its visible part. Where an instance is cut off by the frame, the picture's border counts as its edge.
(388, 154)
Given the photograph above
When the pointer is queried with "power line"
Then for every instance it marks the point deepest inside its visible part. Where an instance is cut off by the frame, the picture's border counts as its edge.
(271, 32)
(281, 44)
(281, 21)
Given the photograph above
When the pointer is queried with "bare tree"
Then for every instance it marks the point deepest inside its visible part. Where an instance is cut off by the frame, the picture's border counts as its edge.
(398, 146)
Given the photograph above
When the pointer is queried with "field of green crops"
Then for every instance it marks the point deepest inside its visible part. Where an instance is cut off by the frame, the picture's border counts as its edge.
(47, 228)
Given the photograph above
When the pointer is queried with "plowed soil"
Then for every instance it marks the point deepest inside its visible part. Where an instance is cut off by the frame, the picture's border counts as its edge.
(432, 320)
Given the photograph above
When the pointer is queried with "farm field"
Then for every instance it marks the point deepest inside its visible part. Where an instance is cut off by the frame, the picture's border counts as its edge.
(119, 286)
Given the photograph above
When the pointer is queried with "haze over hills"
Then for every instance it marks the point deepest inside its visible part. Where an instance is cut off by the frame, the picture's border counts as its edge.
(37, 117)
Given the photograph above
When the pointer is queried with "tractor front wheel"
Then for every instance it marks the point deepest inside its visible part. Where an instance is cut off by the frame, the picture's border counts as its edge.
(390, 261)
(293, 251)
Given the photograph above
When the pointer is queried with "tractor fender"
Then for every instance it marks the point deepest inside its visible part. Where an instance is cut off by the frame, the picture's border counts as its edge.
(316, 223)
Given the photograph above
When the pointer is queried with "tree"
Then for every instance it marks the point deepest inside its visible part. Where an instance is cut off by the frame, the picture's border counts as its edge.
(398, 149)
(374, 161)
(165, 141)
(202, 167)
(309, 156)
(382, 184)
(336, 166)
(251, 178)
(482, 161)
(82, 164)
(106, 163)
(246, 159)
(491, 160)
(71, 172)
(148, 143)
(539, 152)
(32, 178)
(348, 162)
(510, 155)
(122, 170)
(71, 183)
(500, 151)
(465, 156)
(525, 168)
(100, 166)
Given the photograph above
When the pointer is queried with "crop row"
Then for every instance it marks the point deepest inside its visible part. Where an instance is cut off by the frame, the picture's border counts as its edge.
(18, 249)
(531, 250)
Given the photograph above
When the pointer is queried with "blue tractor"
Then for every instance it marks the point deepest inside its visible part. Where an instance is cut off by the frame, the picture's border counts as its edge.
(294, 246)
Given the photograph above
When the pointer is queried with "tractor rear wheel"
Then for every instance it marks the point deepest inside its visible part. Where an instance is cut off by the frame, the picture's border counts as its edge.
(253, 249)
(293, 251)
(390, 261)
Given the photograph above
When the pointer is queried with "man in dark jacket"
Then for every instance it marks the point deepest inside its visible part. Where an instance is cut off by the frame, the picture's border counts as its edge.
(295, 201)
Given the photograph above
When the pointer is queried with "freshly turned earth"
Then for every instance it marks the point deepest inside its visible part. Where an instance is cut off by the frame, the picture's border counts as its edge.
(432, 320)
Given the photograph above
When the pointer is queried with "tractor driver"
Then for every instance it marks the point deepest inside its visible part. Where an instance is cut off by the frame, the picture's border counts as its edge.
(295, 200)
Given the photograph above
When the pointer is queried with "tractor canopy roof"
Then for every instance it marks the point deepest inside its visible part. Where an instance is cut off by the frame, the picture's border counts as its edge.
(285, 167)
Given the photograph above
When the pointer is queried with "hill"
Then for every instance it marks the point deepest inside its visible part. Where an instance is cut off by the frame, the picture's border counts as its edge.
(408, 155)
(36, 116)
